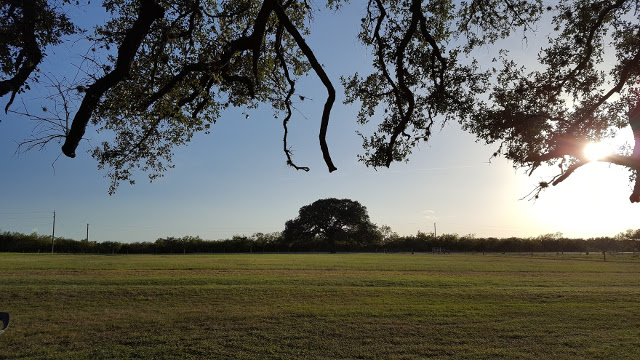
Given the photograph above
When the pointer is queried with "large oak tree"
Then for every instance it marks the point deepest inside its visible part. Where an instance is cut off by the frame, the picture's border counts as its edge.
(165, 70)
(331, 224)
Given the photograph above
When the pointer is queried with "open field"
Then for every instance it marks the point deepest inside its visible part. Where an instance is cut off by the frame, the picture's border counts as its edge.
(340, 306)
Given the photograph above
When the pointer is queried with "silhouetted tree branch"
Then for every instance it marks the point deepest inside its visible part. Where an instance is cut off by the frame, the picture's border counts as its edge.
(168, 70)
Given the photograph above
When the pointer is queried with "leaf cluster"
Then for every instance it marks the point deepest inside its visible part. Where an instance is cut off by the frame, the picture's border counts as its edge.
(27, 28)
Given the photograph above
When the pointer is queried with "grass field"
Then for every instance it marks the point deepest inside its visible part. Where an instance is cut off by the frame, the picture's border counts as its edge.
(340, 306)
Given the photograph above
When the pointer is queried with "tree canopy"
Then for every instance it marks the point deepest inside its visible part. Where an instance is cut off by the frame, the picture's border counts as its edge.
(165, 70)
(331, 224)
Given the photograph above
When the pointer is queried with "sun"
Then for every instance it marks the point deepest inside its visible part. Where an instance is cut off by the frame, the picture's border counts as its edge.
(595, 151)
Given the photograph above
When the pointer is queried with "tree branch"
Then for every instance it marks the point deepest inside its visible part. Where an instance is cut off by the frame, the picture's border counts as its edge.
(287, 100)
(149, 12)
(380, 56)
(221, 66)
(405, 93)
(434, 45)
(562, 177)
(30, 53)
(331, 96)
(589, 42)
(635, 195)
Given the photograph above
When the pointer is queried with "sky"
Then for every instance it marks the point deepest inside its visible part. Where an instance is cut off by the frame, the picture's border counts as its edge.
(235, 181)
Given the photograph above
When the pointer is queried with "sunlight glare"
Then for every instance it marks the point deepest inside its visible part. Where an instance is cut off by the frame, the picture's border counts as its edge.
(595, 151)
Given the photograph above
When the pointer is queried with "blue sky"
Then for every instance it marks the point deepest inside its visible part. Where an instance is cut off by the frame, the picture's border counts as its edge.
(235, 181)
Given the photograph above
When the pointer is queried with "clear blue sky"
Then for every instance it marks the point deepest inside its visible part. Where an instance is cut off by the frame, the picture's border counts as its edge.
(235, 181)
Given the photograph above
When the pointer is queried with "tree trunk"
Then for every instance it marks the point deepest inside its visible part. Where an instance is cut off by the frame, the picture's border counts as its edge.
(634, 121)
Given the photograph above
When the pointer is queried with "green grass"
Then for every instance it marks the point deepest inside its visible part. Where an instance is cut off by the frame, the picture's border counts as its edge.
(340, 306)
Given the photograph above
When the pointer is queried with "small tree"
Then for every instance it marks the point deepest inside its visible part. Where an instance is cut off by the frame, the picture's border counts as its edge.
(388, 235)
(331, 223)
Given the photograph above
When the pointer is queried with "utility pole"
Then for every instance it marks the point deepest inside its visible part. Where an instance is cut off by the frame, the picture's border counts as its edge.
(87, 232)
(53, 233)
(435, 231)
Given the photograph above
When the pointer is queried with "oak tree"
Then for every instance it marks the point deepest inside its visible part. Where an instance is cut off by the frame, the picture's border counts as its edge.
(331, 223)
(165, 70)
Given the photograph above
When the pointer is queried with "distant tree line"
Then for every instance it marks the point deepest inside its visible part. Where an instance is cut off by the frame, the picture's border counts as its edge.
(326, 225)
(628, 241)
(387, 241)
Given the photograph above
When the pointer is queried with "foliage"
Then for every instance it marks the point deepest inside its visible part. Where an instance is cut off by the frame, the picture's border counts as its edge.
(172, 67)
(546, 113)
(331, 224)
(17, 242)
(629, 235)
(27, 28)
(165, 70)
(579, 94)
(628, 241)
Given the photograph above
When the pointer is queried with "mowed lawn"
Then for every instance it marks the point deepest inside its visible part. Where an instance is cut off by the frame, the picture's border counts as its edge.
(320, 306)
